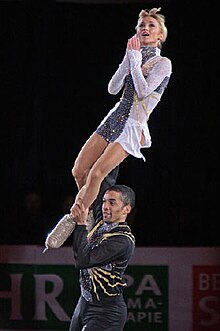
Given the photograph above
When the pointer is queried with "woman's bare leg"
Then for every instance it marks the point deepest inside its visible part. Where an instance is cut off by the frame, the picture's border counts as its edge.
(88, 155)
(112, 156)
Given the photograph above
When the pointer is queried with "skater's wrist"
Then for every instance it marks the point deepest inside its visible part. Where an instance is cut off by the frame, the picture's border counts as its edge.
(79, 213)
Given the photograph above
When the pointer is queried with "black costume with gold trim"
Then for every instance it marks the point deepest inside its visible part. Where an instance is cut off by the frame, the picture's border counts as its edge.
(102, 256)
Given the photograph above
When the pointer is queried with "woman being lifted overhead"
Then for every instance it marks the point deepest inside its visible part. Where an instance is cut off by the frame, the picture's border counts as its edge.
(143, 75)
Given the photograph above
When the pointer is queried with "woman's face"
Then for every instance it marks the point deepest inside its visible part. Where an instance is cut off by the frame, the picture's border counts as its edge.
(149, 31)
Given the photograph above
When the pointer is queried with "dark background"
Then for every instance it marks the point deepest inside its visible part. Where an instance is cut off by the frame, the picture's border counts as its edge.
(56, 61)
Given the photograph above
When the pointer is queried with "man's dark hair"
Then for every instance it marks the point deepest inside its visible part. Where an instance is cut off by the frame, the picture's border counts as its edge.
(128, 195)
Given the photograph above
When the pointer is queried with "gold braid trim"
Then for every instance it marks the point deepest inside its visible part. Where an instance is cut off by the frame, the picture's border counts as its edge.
(147, 66)
(106, 273)
(94, 286)
(123, 226)
(154, 96)
(126, 234)
(94, 229)
(107, 280)
(104, 289)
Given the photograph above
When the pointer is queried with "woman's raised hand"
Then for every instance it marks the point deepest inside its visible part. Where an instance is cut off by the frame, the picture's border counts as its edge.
(134, 43)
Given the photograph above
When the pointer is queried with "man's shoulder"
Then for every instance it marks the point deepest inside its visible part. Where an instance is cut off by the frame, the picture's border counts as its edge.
(122, 229)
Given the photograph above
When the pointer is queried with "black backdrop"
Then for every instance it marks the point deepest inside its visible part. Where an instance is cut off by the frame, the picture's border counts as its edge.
(56, 61)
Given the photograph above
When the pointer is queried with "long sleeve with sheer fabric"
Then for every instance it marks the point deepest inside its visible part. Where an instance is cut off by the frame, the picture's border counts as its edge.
(145, 85)
(117, 81)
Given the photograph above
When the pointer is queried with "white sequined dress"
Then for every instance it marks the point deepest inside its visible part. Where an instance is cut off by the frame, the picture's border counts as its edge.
(143, 76)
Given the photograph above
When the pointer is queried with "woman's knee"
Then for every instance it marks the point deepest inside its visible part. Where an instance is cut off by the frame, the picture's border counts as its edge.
(96, 175)
(78, 172)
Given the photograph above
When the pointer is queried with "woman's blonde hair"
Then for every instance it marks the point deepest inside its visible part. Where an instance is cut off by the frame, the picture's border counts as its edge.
(159, 17)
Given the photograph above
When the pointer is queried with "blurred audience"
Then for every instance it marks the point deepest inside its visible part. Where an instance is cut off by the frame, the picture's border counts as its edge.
(29, 225)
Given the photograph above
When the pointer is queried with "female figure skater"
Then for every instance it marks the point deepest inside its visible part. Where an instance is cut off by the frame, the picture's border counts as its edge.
(143, 75)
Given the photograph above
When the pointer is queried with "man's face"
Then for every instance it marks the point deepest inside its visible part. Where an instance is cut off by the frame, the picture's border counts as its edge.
(113, 209)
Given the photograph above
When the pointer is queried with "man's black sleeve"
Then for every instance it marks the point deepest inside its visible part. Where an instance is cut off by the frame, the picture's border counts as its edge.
(115, 247)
